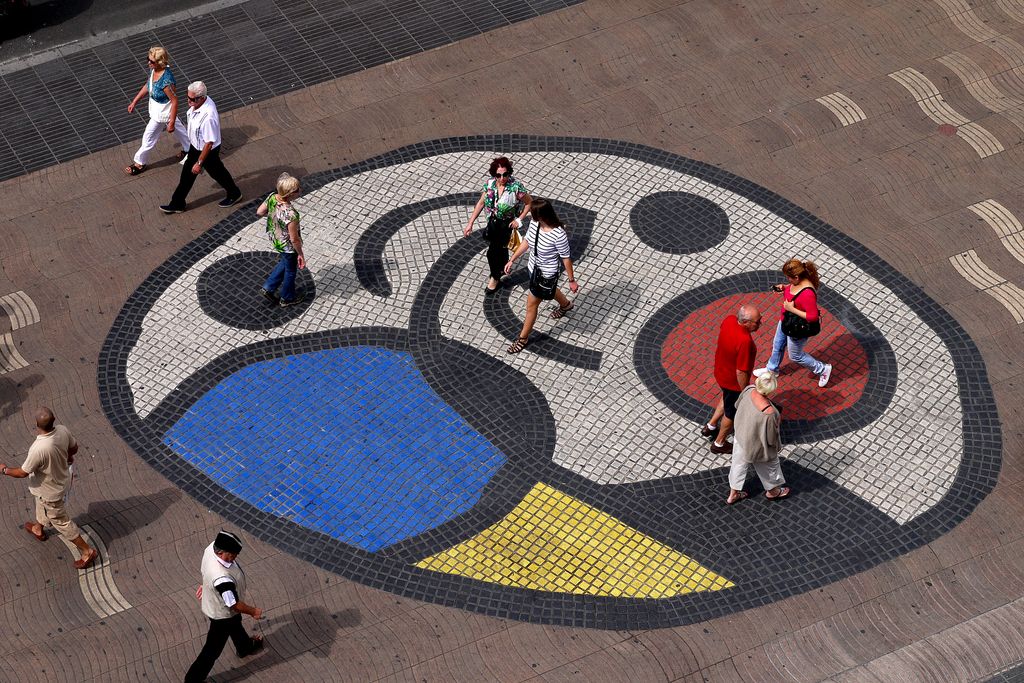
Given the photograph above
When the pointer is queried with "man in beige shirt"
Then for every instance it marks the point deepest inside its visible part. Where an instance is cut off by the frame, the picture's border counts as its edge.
(48, 467)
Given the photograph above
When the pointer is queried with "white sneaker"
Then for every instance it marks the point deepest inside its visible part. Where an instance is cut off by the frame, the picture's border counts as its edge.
(759, 372)
(825, 375)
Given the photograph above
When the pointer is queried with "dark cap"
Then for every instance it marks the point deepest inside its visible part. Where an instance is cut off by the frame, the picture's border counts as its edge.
(227, 542)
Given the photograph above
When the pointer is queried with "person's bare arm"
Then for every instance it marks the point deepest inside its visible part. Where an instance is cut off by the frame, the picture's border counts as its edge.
(242, 608)
(202, 155)
(169, 91)
(142, 93)
(473, 216)
(296, 238)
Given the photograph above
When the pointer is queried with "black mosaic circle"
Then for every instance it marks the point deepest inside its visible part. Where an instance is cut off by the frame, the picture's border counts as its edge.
(822, 534)
(229, 292)
(679, 222)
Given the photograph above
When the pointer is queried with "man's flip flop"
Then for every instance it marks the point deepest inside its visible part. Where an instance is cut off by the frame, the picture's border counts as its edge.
(39, 537)
(783, 493)
(740, 496)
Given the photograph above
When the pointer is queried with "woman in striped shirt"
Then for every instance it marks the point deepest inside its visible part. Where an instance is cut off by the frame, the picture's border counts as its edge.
(548, 245)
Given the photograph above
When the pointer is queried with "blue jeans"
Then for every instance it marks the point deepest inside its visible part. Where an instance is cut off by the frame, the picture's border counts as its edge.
(283, 276)
(796, 353)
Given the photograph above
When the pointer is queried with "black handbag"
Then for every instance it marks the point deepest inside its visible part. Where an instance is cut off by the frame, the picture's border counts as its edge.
(496, 227)
(795, 327)
(542, 286)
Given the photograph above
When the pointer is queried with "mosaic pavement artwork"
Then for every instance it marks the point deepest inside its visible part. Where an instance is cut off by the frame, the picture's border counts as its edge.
(380, 430)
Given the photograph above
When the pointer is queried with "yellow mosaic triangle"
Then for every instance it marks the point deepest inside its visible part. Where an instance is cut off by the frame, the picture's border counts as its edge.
(553, 542)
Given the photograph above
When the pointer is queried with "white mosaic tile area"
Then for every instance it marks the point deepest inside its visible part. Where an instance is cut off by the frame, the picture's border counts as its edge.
(610, 428)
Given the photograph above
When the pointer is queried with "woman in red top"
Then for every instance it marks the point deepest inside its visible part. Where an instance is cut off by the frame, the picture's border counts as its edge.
(800, 297)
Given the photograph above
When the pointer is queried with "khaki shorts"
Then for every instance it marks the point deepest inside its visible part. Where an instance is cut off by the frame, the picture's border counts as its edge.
(52, 513)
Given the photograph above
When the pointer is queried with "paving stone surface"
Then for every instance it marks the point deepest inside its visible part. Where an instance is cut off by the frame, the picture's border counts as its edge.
(418, 505)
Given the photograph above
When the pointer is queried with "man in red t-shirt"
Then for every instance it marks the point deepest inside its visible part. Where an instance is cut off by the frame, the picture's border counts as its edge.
(734, 360)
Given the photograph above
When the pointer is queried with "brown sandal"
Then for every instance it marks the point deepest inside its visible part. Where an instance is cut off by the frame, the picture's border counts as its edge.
(132, 169)
(518, 345)
(39, 537)
(559, 312)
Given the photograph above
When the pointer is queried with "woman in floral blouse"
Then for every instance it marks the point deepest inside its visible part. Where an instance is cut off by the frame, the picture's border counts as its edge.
(502, 199)
(283, 231)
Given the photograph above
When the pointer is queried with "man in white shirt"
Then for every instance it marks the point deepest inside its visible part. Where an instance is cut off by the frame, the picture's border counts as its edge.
(221, 596)
(49, 467)
(204, 151)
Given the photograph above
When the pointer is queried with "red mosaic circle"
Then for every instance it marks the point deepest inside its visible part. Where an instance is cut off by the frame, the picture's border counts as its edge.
(688, 354)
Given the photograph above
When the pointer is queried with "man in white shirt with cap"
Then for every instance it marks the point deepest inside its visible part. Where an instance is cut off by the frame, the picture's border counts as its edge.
(221, 595)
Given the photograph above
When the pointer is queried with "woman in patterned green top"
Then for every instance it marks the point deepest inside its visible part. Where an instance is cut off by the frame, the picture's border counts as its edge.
(283, 231)
(503, 197)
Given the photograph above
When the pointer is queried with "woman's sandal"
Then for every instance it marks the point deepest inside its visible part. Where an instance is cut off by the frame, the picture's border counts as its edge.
(519, 344)
(132, 169)
(733, 499)
(559, 312)
(784, 492)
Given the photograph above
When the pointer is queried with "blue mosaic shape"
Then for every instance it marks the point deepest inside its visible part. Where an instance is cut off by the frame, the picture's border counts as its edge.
(351, 442)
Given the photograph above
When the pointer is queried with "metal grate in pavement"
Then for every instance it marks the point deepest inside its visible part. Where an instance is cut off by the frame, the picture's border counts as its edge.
(75, 105)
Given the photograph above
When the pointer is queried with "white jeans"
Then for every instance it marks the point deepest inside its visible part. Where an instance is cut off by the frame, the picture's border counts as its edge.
(770, 473)
(152, 134)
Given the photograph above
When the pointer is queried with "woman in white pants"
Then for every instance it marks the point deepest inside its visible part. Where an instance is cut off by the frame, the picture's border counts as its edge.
(756, 441)
(163, 110)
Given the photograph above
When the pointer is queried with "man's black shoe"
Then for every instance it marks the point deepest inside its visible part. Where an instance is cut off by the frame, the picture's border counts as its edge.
(228, 201)
(167, 208)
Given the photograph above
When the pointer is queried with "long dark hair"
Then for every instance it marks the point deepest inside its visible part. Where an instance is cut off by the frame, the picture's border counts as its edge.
(542, 212)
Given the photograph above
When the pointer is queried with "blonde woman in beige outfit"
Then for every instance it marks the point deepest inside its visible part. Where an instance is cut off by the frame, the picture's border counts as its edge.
(756, 441)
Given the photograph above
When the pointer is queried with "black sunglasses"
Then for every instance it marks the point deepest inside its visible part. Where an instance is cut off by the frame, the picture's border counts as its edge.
(193, 99)
(502, 175)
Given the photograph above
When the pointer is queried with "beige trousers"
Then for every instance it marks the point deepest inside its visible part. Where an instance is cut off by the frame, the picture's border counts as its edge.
(52, 513)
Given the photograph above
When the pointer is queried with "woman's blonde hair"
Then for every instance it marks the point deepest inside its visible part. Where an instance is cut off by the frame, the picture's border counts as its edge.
(287, 185)
(767, 384)
(159, 56)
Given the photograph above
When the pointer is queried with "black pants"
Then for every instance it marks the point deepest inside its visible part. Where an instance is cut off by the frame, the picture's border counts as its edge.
(213, 165)
(499, 231)
(216, 639)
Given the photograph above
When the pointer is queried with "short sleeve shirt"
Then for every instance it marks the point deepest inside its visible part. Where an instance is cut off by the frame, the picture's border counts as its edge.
(551, 248)
(279, 215)
(503, 205)
(47, 463)
(736, 352)
(156, 88)
(806, 300)
(204, 124)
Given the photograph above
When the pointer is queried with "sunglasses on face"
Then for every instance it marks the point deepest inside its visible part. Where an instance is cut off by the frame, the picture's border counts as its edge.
(502, 175)
(193, 99)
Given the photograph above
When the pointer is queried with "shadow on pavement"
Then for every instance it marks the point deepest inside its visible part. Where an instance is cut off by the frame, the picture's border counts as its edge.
(308, 629)
(20, 17)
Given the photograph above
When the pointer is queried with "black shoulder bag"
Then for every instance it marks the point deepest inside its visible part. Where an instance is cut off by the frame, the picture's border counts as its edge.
(795, 327)
(541, 286)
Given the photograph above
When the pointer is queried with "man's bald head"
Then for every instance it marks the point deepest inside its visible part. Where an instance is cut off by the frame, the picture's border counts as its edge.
(748, 313)
(45, 419)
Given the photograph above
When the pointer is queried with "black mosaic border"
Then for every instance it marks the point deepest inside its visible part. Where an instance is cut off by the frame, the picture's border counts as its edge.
(866, 544)
(229, 49)
(882, 369)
